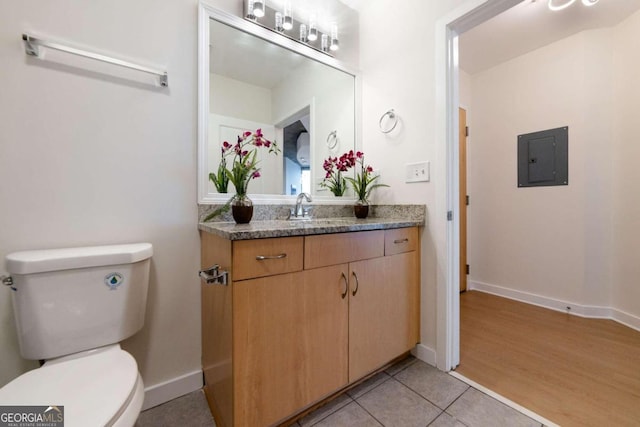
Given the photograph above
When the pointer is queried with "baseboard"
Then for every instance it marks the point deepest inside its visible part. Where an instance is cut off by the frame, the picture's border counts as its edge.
(626, 319)
(589, 311)
(174, 388)
(424, 353)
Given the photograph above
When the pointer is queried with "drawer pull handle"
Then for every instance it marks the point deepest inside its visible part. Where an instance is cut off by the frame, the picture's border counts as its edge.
(355, 291)
(263, 257)
(346, 286)
(397, 241)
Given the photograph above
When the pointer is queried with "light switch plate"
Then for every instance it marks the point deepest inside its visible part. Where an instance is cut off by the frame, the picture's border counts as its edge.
(417, 172)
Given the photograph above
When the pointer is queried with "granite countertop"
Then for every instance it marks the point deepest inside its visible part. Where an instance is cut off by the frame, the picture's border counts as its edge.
(285, 228)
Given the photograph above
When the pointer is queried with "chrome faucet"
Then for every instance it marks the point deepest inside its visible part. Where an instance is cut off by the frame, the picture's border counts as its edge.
(299, 211)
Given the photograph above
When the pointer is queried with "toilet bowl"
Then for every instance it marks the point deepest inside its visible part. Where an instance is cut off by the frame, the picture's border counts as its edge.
(100, 387)
(72, 308)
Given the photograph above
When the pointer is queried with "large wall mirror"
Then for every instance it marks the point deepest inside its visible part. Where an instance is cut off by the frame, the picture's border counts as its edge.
(250, 78)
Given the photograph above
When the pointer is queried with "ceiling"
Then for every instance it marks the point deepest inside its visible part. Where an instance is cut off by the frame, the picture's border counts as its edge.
(260, 63)
(531, 25)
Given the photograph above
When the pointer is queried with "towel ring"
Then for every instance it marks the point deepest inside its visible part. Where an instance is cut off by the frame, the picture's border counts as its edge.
(392, 116)
(332, 139)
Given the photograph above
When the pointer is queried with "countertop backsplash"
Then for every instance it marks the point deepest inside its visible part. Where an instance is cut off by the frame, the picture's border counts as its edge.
(281, 212)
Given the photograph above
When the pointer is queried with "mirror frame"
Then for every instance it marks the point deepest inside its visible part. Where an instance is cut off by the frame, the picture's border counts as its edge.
(207, 12)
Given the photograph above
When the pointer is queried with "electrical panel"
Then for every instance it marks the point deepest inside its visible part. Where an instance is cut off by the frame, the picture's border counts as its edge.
(543, 158)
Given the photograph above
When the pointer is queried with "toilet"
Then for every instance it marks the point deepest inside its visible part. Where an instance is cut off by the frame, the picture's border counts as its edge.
(72, 308)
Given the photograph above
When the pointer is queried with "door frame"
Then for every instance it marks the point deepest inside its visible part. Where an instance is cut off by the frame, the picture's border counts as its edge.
(468, 15)
(463, 193)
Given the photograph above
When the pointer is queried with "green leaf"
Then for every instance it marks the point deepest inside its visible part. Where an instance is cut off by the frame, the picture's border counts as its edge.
(222, 209)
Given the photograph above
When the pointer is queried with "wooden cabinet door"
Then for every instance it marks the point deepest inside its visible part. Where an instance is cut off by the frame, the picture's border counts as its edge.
(369, 311)
(326, 339)
(402, 275)
(290, 343)
(267, 321)
(383, 307)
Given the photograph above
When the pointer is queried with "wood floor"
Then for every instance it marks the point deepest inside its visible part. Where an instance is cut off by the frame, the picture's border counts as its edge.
(572, 371)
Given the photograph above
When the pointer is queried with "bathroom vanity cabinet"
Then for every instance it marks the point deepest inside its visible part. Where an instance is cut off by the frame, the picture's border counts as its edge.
(303, 317)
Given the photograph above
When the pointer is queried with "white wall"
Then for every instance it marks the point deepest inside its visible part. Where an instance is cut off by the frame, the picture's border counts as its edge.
(89, 159)
(626, 175)
(464, 89)
(233, 98)
(571, 243)
(398, 71)
(535, 239)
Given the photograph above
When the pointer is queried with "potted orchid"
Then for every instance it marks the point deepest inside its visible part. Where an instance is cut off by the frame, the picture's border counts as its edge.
(244, 168)
(363, 183)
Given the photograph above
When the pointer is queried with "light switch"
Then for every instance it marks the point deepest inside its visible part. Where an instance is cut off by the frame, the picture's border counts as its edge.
(417, 172)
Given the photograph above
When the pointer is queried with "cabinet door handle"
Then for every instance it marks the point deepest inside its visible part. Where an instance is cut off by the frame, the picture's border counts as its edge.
(397, 241)
(346, 286)
(263, 257)
(355, 291)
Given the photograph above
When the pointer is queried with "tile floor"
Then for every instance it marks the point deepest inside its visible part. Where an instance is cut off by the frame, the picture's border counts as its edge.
(410, 393)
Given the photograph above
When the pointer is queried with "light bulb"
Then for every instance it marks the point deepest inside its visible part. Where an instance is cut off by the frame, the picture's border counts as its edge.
(589, 2)
(279, 26)
(303, 33)
(325, 43)
(335, 44)
(258, 8)
(313, 28)
(250, 14)
(288, 19)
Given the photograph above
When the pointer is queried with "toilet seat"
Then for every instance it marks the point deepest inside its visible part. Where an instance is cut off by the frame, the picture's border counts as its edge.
(100, 387)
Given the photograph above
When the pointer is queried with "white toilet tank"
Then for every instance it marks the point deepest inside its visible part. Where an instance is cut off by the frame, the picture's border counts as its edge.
(69, 300)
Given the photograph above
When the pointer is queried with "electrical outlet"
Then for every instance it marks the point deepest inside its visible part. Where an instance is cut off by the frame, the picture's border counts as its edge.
(417, 172)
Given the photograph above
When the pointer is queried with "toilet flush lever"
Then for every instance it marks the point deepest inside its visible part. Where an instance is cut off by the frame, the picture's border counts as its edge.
(8, 281)
(213, 275)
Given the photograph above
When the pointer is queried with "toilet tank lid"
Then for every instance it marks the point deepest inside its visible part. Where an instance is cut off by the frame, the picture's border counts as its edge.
(38, 261)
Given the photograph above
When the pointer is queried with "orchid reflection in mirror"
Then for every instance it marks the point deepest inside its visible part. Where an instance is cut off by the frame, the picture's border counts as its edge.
(333, 179)
(244, 167)
(220, 179)
(363, 183)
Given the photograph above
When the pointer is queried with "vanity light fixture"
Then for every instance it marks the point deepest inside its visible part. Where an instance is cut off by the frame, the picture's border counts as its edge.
(288, 18)
(556, 5)
(258, 8)
(335, 44)
(318, 34)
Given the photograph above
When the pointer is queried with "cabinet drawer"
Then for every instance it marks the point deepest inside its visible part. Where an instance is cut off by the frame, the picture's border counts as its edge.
(266, 257)
(330, 249)
(399, 240)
